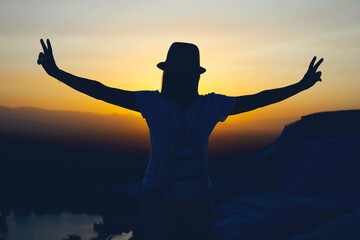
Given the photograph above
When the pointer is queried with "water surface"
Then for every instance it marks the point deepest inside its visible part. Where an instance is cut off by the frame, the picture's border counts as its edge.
(52, 226)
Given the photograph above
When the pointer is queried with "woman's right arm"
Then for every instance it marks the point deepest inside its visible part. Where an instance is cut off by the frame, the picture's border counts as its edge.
(119, 97)
(250, 102)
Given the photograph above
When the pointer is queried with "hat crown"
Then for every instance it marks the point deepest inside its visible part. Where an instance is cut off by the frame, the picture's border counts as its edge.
(182, 56)
(183, 53)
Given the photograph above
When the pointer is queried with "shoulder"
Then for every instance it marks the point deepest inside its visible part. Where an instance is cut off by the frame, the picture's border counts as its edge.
(146, 100)
(220, 98)
(221, 104)
(146, 93)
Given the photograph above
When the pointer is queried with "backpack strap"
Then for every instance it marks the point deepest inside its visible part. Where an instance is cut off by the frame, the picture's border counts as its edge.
(183, 136)
(192, 119)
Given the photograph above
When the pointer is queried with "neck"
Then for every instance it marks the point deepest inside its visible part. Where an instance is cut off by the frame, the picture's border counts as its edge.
(179, 94)
(180, 88)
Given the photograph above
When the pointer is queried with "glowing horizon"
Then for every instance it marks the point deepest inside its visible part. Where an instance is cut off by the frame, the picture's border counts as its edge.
(245, 46)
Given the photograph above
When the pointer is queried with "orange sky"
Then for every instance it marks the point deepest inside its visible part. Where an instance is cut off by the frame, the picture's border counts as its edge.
(246, 47)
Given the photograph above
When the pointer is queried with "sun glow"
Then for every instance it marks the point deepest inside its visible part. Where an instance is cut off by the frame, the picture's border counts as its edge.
(245, 47)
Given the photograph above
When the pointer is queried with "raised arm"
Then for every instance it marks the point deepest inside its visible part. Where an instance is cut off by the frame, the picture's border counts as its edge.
(267, 97)
(92, 88)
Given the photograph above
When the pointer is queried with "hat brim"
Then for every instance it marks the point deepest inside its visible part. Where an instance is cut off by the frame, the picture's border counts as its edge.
(163, 66)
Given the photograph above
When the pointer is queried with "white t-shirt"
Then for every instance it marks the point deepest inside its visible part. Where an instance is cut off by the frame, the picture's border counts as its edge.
(163, 130)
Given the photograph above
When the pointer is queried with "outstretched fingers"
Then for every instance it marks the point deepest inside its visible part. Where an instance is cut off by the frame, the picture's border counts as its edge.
(318, 64)
(43, 46)
(49, 46)
(312, 63)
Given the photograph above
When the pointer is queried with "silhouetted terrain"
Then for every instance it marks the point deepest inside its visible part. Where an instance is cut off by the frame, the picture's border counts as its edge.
(302, 186)
(65, 161)
(76, 129)
(60, 160)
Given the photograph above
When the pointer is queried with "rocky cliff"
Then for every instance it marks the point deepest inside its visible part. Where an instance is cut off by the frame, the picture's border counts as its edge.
(303, 186)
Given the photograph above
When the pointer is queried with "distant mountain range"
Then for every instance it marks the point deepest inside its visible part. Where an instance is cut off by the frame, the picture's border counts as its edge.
(111, 132)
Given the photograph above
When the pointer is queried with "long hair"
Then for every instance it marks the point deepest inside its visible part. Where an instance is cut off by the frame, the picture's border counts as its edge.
(180, 85)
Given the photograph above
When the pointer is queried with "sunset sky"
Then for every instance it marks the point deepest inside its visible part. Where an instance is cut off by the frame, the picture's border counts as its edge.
(246, 47)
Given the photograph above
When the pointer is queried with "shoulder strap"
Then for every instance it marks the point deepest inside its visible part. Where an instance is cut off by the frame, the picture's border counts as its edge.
(192, 118)
(183, 135)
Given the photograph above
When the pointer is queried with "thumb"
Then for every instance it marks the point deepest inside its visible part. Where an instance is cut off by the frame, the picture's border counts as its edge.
(318, 75)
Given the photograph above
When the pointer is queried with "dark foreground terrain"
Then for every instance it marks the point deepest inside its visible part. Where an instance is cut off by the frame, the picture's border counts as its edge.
(305, 185)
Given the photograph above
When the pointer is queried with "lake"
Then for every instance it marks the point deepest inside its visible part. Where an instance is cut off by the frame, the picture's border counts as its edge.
(52, 226)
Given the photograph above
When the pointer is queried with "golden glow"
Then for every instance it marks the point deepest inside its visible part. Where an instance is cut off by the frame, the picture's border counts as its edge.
(246, 47)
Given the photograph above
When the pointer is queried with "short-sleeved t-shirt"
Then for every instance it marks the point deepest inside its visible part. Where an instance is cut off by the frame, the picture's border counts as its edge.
(163, 130)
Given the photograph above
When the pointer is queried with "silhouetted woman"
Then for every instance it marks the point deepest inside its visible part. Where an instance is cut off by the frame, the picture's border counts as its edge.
(176, 193)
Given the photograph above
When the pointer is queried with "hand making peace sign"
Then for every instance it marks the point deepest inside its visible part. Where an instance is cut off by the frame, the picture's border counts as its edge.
(312, 76)
(46, 58)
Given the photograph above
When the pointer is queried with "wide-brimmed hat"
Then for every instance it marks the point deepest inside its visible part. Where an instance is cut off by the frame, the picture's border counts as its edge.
(183, 57)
